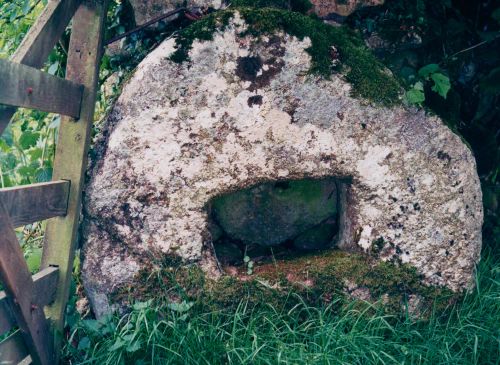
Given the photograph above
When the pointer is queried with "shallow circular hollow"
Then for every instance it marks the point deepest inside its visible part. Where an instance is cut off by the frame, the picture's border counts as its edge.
(276, 219)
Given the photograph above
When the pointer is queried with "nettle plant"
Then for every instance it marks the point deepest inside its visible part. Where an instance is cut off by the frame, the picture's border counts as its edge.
(429, 73)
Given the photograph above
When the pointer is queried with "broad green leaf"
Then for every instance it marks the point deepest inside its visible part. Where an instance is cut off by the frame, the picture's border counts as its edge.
(180, 307)
(415, 96)
(84, 343)
(35, 153)
(428, 69)
(119, 343)
(26, 171)
(43, 174)
(28, 139)
(34, 260)
(441, 84)
(134, 346)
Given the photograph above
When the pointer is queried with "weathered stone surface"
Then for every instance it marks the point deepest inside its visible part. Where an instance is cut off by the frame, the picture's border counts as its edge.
(145, 10)
(325, 8)
(182, 134)
(270, 214)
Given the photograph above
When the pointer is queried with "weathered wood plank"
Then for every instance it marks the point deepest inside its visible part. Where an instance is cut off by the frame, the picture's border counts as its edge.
(39, 42)
(72, 148)
(20, 290)
(35, 202)
(12, 349)
(45, 33)
(45, 289)
(30, 88)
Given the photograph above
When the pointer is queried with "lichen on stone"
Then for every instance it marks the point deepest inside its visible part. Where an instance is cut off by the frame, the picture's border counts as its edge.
(333, 49)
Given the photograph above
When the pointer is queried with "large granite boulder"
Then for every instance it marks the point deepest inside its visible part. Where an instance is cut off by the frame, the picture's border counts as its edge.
(239, 109)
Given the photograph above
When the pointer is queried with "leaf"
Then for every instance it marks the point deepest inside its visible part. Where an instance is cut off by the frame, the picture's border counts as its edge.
(26, 171)
(414, 96)
(26, 7)
(34, 260)
(43, 174)
(428, 69)
(92, 325)
(441, 84)
(134, 346)
(119, 343)
(246, 259)
(419, 86)
(180, 307)
(142, 305)
(84, 343)
(28, 139)
(35, 153)
(4, 146)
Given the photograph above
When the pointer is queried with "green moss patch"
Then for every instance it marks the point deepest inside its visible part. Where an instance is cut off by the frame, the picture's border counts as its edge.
(362, 69)
(317, 279)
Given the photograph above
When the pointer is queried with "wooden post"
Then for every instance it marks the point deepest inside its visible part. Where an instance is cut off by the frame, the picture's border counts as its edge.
(72, 148)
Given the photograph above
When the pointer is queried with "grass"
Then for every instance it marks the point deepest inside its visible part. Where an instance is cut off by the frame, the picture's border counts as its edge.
(341, 333)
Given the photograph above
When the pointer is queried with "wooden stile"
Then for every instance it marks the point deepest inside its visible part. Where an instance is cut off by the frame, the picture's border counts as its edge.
(35, 202)
(45, 289)
(20, 291)
(39, 42)
(13, 349)
(72, 148)
(45, 33)
(23, 301)
(30, 88)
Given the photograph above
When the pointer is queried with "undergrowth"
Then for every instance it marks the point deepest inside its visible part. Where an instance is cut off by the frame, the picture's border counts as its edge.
(338, 333)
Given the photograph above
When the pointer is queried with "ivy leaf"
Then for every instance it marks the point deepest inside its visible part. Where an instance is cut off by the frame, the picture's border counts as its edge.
(441, 84)
(415, 96)
(428, 69)
(28, 139)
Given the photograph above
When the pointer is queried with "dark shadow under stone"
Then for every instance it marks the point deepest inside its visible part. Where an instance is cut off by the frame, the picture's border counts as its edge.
(275, 218)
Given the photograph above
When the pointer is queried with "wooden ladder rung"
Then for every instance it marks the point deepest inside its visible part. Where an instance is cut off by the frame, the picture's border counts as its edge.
(35, 202)
(13, 350)
(25, 86)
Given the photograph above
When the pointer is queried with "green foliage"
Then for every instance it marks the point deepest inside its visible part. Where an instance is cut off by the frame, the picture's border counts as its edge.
(16, 16)
(293, 332)
(441, 84)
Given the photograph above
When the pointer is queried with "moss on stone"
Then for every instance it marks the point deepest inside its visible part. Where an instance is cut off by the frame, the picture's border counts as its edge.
(366, 74)
(300, 6)
(317, 279)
